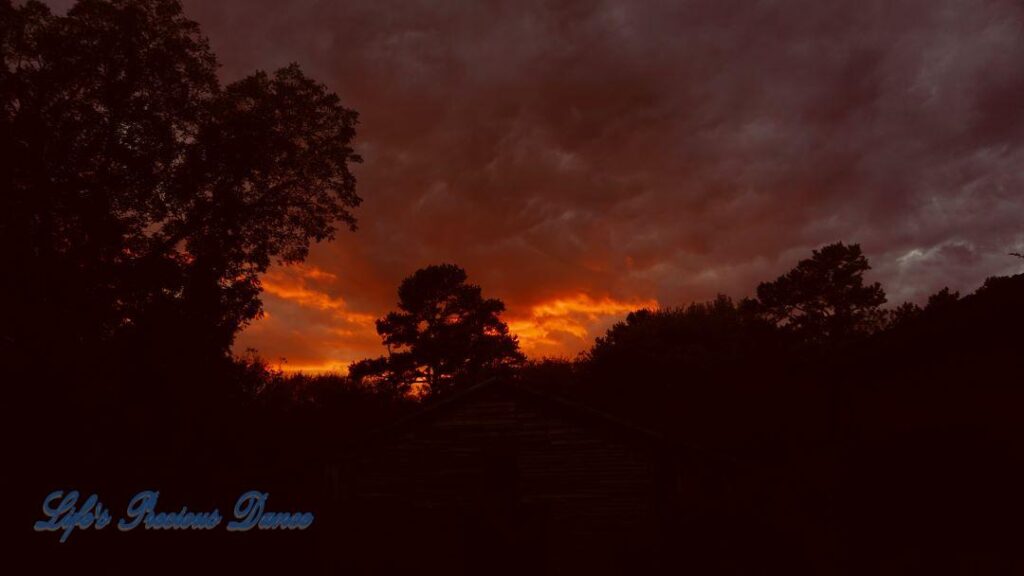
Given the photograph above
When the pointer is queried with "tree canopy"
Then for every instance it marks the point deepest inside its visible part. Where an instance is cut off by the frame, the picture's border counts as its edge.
(824, 298)
(140, 191)
(696, 342)
(443, 335)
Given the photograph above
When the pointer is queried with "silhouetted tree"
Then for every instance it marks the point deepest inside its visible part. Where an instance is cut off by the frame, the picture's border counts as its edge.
(824, 299)
(904, 314)
(931, 409)
(942, 300)
(138, 193)
(908, 312)
(444, 334)
(392, 375)
(553, 375)
(698, 341)
(685, 370)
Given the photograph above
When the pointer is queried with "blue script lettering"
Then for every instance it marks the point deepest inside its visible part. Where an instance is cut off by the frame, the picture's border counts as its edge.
(64, 516)
(142, 509)
(250, 513)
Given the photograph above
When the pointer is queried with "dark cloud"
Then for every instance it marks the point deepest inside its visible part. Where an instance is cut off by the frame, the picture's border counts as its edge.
(666, 150)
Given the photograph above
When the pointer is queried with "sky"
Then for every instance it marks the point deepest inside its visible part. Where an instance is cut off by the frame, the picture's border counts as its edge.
(584, 159)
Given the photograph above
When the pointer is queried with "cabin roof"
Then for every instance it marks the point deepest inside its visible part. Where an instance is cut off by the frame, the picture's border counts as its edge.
(563, 406)
(638, 436)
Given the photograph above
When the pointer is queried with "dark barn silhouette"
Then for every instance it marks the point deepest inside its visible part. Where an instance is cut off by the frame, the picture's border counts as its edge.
(503, 478)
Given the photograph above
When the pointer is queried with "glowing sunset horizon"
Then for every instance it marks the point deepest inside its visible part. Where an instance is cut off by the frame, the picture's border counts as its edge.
(556, 327)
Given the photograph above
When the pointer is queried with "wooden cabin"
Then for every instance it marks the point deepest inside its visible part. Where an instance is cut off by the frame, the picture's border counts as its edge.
(502, 479)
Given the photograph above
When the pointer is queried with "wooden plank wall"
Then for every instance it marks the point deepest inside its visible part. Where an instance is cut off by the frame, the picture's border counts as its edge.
(499, 471)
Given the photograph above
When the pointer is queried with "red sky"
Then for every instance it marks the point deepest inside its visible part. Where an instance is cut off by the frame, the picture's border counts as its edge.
(581, 159)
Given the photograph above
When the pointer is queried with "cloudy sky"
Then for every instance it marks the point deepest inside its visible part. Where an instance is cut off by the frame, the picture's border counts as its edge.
(581, 159)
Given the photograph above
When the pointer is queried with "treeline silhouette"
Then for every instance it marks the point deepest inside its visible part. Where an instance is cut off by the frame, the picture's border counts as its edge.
(142, 200)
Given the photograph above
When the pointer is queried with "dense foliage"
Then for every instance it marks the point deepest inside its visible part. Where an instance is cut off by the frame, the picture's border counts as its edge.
(444, 335)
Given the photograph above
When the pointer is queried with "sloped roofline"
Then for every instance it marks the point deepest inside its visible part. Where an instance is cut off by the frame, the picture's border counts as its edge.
(646, 438)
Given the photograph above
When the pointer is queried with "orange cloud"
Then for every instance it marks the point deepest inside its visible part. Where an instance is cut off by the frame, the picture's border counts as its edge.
(312, 329)
(307, 327)
(291, 284)
(569, 324)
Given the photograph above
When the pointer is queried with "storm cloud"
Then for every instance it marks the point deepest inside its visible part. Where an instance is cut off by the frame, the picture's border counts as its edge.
(583, 158)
